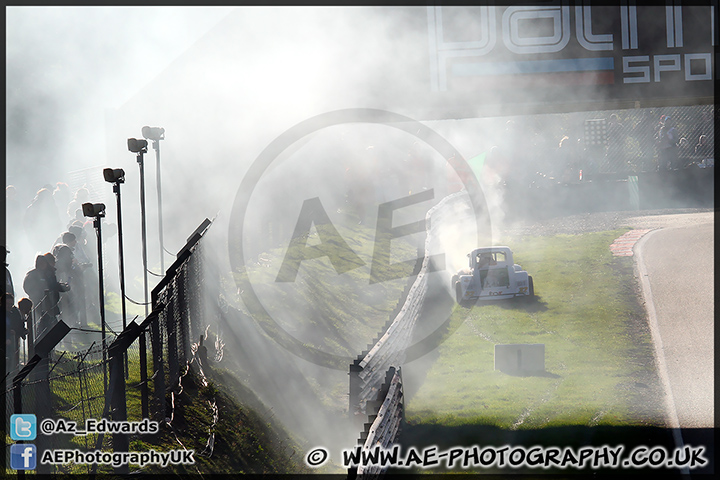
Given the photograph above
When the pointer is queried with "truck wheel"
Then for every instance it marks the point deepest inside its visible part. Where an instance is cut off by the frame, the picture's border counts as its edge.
(453, 282)
(531, 287)
(458, 294)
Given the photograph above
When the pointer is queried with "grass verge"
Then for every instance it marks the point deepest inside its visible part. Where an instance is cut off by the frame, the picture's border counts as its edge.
(599, 364)
(245, 441)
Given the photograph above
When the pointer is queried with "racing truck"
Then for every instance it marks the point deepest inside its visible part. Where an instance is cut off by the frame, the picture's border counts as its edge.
(491, 275)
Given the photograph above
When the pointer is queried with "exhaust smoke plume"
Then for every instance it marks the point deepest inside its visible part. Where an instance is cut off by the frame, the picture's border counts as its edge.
(225, 83)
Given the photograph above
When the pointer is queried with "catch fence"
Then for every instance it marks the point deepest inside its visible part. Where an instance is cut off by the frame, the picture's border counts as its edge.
(606, 142)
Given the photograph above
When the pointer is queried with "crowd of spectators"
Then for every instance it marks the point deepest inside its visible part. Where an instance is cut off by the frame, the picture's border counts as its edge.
(639, 142)
(63, 283)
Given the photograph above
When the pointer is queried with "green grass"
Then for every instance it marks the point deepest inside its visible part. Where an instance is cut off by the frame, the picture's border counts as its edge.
(245, 441)
(586, 314)
(332, 305)
(598, 355)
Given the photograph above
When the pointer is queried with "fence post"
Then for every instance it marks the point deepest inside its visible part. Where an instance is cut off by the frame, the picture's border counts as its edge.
(196, 301)
(355, 388)
(171, 325)
(17, 390)
(43, 408)
(144, 391)
(159, 371)
(118, 404)
(182, 324)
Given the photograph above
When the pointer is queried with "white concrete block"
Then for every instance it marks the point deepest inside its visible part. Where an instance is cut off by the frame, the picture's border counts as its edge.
(520, 357)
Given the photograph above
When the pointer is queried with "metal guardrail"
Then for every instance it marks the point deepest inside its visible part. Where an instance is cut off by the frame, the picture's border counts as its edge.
(375, 379)
(368, 370)
(383, 427)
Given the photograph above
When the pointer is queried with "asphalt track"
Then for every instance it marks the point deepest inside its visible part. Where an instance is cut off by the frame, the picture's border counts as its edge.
(675, 265)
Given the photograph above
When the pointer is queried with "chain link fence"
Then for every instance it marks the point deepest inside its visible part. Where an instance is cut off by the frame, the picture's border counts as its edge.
(69, 386)
(172, 337)
(77, 382)
(558, 146)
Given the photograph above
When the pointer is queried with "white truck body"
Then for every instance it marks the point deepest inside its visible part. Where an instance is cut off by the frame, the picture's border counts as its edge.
(492, 275)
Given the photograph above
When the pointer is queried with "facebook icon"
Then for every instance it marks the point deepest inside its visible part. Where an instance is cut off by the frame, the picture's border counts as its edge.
(23, 456)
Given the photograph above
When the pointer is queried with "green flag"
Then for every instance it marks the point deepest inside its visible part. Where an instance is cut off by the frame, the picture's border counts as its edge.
(477, 163)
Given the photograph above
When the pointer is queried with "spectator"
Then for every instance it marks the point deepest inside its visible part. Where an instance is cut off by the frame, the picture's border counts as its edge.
(667, 144)
(567, 160)
(55, 288)
(79, 217)
(14, 330)
(41, 220)
(62, 196)
(81, 255)
(685, 151)
(61, 239)
(644, 132)
(616, 136)
(35, 283)
(703, 148)
(90, 275)
(660, 124)
(42, 287)
(69, 271)
(9, 285)
(495, 168)
(81, 196)
(706, 127)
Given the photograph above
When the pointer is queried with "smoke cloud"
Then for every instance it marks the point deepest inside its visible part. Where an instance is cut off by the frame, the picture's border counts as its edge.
(224, 83)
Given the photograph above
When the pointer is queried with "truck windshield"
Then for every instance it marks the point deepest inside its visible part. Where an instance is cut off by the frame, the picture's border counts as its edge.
(489, 259)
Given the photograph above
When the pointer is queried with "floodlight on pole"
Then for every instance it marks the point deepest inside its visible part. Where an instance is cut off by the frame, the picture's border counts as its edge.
(140, 148)
(97, 211)
(156, 134)
(116, 176)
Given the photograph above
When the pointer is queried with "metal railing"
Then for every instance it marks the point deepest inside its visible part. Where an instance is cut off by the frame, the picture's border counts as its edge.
(385, 418)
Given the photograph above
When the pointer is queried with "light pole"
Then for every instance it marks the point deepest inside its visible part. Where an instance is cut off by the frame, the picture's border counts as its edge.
(97, 211)
(156, 134)
(140, 147)
(116, 176)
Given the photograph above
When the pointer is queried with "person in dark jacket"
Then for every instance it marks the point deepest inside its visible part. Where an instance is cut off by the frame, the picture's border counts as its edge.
(14, 331)
(42, 287)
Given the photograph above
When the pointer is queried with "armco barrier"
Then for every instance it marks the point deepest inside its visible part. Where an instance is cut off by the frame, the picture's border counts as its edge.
(383, 427)
(375, 381)
(367, 372)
